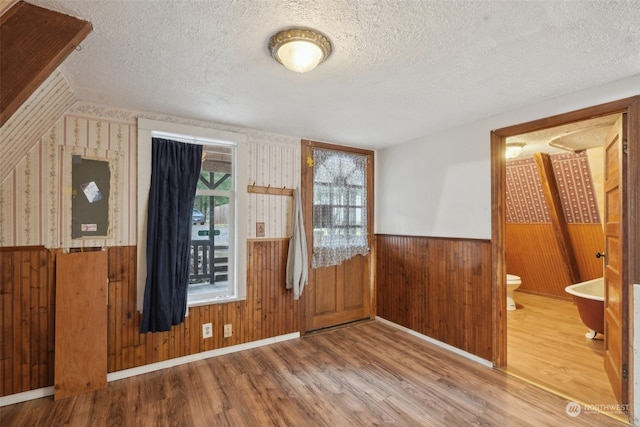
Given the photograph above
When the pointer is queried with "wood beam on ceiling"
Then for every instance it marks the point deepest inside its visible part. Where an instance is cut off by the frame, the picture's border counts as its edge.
(33, 42)
(558, 220)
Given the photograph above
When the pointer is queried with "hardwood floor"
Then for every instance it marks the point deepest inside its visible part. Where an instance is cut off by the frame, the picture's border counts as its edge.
(546, 346)
(363, 374)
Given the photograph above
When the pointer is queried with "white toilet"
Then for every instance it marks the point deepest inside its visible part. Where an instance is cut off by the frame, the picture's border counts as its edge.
(513, 282)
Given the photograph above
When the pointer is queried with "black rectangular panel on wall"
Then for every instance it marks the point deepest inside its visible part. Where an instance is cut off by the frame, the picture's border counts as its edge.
(90, 197)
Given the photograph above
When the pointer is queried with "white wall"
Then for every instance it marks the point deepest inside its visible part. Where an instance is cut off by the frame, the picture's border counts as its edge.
(436, 186)
(440, 185)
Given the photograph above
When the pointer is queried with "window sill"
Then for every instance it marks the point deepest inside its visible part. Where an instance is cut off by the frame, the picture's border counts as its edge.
(195, 302)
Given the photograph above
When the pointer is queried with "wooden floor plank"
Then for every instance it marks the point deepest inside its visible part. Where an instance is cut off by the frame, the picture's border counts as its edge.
(364, 374)
(546, 345)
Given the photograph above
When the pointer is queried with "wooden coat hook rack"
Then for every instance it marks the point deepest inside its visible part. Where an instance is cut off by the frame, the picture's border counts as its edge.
(276, 191)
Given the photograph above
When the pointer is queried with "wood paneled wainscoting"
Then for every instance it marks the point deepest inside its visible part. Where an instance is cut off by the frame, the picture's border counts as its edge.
(27, 318)
(439, 287)
(532, 253)
(27, 301)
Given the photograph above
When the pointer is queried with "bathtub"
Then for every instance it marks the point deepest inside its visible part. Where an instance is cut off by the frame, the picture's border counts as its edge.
(589, 298)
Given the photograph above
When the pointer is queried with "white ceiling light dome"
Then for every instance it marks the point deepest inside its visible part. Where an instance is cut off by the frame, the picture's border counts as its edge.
(299, 49)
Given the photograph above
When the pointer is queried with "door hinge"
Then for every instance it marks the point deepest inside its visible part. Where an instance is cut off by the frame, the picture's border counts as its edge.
(305, 312)
(625, 371)
(625, 148)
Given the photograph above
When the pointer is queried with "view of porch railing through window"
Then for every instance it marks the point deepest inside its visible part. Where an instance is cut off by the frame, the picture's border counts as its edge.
(212, 229)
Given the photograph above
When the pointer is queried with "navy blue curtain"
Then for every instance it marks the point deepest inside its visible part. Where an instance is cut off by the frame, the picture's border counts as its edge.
(175, 170)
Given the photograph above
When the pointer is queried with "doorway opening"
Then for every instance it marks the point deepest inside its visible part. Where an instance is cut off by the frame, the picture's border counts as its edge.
(629, 268)
(554, 228)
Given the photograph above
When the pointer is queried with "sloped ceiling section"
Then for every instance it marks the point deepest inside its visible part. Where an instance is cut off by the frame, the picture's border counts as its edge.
(39, 113)
(33, 42)
(525, 199)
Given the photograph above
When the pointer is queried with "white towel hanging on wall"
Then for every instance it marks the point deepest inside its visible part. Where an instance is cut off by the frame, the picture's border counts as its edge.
(297, 260)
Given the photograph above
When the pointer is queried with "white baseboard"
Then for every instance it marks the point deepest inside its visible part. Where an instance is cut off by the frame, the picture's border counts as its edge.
(145, 369)
(12, 399)
(115, 376)
(446, 346)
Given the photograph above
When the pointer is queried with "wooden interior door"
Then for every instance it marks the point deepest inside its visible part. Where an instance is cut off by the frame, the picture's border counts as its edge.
(338, 294)
(81, 323)
(615, 277)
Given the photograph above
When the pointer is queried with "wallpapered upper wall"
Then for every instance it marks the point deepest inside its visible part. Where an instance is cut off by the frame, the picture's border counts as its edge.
(32, 119)
(35, 198)
(525, 201)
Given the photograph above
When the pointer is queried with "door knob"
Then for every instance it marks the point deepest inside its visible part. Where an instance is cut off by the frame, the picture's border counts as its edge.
(599, 254)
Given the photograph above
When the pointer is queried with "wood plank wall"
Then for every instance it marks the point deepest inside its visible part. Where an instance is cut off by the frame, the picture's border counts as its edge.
(27, 318)
(27, 291)
(438, 287)
(35, 41)
(532, 253)
(587, 239)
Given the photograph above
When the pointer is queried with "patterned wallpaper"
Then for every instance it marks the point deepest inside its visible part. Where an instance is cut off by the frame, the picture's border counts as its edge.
(277, 165)
(32, 119)
(35, 197)
(576, 188)
(525, 201)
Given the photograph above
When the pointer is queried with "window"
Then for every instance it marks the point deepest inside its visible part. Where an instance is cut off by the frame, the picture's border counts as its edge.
(218, 231)
(339, 207)
(213, 228)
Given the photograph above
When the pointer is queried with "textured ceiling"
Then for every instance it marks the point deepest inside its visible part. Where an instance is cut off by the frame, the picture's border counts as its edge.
(399, 69)
(574, 137)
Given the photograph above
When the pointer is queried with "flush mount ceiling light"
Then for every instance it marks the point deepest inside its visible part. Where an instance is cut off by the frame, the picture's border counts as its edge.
(299, 49)
(513, 149)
